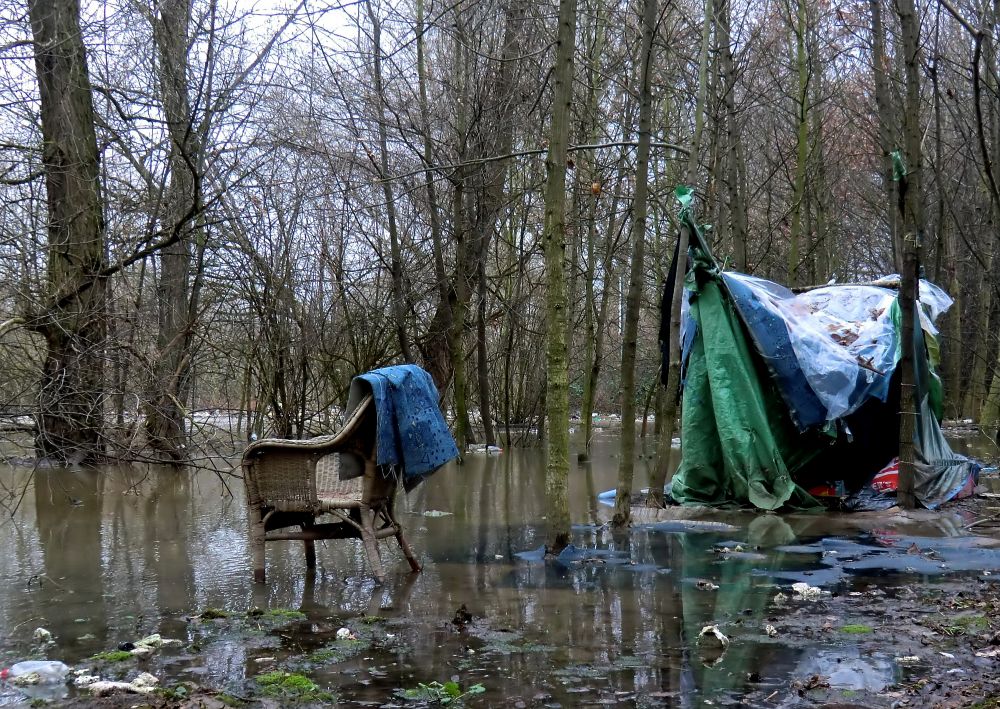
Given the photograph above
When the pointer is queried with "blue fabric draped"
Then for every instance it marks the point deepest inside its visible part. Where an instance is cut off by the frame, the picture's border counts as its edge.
(412, 434)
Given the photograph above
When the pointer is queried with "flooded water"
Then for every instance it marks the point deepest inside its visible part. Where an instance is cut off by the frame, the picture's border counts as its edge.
(105, 557)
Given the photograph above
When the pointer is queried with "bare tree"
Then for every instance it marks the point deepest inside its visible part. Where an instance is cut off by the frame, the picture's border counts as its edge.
(71, 316)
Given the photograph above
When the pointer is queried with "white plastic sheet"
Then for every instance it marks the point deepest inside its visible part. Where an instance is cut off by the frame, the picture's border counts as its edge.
(843, 337)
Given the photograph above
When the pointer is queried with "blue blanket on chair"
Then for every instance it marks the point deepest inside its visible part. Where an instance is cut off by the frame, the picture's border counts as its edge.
(412, 434)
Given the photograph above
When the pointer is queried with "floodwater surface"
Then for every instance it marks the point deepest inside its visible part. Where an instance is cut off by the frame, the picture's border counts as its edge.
(108, 556)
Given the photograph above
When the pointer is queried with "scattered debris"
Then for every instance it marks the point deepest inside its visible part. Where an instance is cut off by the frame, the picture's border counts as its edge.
(712, 631)
(31, 672)
(713, 644)
(143, 684)
(771, 631)
(703, 585)
(462, 617)
(804, 591)
(812, 682)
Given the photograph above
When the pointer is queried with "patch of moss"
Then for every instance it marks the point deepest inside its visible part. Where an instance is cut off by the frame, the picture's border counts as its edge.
(229, 700)
(276, 614)
(174, 694)
(213, 614)
(339, 651)
(370, 619)
(292, 685)
(977, 622)
(284, 614)
(988, 703)
(113, 656)
(856, 629)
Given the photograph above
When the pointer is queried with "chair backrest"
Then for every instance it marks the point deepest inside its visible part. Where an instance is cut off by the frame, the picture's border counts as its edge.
(282, 478)
(286, 474)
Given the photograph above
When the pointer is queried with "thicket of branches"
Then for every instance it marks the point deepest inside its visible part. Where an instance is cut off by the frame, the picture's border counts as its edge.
(294, 196)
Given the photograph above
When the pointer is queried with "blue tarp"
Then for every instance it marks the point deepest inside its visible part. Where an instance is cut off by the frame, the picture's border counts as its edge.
(830, 349)
(413, 436)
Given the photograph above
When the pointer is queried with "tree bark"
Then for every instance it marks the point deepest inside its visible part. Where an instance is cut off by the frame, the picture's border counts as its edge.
(593, 330)
(672, 395)
(912, 215)
(165, 411)
(70, 399)
(395, 250)
(795, 235)
(736, 192)
(554, 244)
(884, 110)
(626, 460)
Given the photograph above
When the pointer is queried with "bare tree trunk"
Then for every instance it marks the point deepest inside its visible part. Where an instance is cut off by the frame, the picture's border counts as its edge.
(975, 392)
(71, 406)
(165, 411)
(911, 208)
(593, 330)
(821, 246)
(395, 250)
(737, 195)
(435, 346)
(795, 235)
(673, 375)
(626, 461)
(554, 244)
(989, 413)
(883, 107)
(459, 308)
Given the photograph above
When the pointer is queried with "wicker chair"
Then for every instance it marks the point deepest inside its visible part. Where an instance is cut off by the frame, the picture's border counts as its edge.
(291, 483)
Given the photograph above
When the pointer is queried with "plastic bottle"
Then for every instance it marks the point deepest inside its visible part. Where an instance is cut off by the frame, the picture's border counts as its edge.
(48, 671)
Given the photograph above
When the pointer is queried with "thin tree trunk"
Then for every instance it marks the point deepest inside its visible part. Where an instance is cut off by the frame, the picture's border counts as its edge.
(435, 347)
(165, 413)
(593, 330)
(485, 413)
(395, 250)
(554, 244)
(456, 334)
(912, 215)
(737, 196)
(673, 376)
(795, 235)
(626, 460)
(989, 414)
(884, 109)
(975, 393)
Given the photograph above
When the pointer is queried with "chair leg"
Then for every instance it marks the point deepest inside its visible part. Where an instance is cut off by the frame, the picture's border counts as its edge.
(407, 551)
(411, 558)
(257, 545)
(310, 547)
(371, 543)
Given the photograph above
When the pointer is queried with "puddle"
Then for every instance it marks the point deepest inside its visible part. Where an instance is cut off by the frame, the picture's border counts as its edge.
(105, 557)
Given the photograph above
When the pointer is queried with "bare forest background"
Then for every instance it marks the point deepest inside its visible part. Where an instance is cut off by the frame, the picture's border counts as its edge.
(236, 207)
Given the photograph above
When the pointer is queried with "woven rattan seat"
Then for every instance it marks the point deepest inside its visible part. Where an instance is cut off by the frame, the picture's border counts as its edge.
(293, 483)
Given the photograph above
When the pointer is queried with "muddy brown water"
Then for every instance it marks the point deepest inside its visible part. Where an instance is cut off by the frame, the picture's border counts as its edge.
(107, 556)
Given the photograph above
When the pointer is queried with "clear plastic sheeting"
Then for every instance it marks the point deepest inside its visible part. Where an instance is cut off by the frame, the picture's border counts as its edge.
(843, 339)
(934, 299)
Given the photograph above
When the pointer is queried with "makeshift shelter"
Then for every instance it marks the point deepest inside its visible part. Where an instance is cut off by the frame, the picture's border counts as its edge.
(787, 396)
